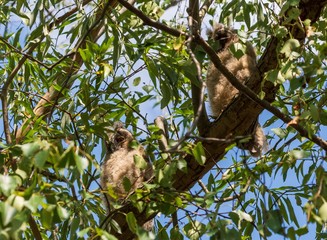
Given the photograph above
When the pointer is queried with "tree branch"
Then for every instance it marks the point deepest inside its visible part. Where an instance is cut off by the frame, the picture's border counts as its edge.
(148, 21)
(42, 108)
(253, 96)
(31, 47)
(204, 9)
(201, 118)
(237, 118)
(34, 228)
(241, 112)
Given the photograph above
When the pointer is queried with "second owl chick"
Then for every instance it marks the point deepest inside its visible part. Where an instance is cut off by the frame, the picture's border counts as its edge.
(221, 92)
(120, 165)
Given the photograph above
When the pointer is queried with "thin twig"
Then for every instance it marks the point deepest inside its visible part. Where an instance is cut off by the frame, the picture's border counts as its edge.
(220, 140)
(148, 21)
(23, 53)
(204, 187)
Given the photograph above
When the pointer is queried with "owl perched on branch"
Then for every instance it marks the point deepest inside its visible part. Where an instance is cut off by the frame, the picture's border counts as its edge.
(120, 168)
(221, 92)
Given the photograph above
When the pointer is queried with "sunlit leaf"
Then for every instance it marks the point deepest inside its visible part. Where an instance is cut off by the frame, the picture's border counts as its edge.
(199, 154)
(7, 184)
(140, 162)
(323, 211)
(81, 163)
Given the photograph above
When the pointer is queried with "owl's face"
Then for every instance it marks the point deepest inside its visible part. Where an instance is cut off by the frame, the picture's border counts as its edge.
(122, 138)
(222, 35)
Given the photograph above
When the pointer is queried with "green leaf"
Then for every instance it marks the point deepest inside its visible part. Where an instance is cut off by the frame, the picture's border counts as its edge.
(18, 202)
(314, 112)
(115, 226)
(34, 202)
(41, 157)
(298, 154)
(83, 232)
(194, 230)
(243, 215)
(281, 133)
(165, 175)
(131, 221)
(162, 233)
(234, 217)
(30, 149)
(107, 69)
(7, 213)
(7, 184)
(302, 231)
(148, 88)
(275, 76)
(175, 234)
(274, 221)
(289, 46)
(81, 163)
(323, 212)
(47, 217)
(136, 81)
(62, 212)
(182, 165)
(140, 162)
(199, 154)
(75, 223)
(166, 94)
(127, 184)
(290, 209)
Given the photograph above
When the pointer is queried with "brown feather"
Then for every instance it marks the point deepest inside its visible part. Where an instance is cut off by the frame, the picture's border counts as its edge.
(221, 92)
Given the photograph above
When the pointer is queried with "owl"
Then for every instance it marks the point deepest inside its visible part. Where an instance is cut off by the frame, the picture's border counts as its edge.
(221, 92)
(120, 167)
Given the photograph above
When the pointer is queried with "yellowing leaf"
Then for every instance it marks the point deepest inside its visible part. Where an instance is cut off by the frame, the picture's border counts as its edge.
(323, 212)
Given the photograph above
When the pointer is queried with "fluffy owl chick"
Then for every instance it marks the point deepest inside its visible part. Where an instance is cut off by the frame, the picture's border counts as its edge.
(221, 92)
(119, 164)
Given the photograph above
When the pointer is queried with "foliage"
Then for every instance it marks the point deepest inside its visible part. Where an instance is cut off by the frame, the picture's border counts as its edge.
(103, 64)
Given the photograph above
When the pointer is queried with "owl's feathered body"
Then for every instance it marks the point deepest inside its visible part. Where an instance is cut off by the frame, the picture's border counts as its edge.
(221, 92)
(120, 165)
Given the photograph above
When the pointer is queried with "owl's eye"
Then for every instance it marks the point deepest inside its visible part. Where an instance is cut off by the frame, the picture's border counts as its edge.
(119, 138)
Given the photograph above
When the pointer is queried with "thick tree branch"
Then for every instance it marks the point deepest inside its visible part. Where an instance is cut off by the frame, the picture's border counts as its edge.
(241, 113)
(267, 62)
(253, 96)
